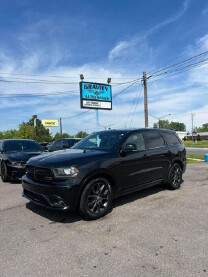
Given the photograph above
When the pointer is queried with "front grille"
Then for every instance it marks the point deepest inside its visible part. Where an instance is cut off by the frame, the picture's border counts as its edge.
(39, 174)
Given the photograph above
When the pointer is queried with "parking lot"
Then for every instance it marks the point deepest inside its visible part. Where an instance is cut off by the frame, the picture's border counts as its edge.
(155, 232)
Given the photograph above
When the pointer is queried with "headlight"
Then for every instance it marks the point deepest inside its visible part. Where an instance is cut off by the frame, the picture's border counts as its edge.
(66, 172)
(16, 164)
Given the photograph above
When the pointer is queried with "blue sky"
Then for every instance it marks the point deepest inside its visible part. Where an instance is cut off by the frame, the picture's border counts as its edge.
(118, 39)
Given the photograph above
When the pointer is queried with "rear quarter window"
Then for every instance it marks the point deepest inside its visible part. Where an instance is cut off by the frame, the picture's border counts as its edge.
(153, 140)
(171, 139)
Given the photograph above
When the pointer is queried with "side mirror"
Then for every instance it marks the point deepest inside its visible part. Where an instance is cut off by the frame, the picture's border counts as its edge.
(130, 147)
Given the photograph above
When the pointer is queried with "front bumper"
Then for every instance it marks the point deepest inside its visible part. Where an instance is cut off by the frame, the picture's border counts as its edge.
(16, 172)
(56, 196)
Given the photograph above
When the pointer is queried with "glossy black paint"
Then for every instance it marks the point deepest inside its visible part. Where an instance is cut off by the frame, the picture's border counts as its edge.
(61, 144)
(126, 171)
(15, 160)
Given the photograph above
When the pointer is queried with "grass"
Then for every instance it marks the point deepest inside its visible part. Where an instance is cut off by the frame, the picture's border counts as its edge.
(191, 157)
(199, 144)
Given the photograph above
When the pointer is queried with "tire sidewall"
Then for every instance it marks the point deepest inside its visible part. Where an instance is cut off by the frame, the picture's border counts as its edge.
(170, 184)
(83, 203)
(4, 177)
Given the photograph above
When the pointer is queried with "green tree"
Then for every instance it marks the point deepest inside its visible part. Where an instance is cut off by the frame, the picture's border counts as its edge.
(164, 124)
(10, 134)
(56, 136)
(39, 133)
(204, 128)
(26, 131)
(81, 134)
(177, 126)
(64, 135)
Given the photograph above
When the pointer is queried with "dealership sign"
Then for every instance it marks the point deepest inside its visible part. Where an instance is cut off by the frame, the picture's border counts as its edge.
(50, 123)
(95, 96)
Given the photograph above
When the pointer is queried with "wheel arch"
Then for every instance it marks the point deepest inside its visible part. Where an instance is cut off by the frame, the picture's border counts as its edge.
(96, 175)
(176, 161)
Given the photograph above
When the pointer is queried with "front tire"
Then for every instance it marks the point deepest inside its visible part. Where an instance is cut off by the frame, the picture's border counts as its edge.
(4, 174)
(175, 177)
(96, 199)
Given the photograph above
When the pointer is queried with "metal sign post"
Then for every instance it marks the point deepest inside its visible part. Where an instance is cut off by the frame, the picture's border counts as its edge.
(97, 121)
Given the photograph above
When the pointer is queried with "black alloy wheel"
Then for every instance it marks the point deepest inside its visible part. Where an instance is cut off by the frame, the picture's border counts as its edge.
(96, 199)
(175, 177)
(4, 175)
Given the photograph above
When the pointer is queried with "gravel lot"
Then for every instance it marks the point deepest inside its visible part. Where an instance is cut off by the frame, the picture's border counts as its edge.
(155, 232)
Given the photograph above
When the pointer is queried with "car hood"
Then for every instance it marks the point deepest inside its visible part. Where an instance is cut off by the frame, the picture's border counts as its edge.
(65, 157)
(21, 156)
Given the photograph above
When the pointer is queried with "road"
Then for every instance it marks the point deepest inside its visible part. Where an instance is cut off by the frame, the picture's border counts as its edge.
(197, 151)
(155, 232)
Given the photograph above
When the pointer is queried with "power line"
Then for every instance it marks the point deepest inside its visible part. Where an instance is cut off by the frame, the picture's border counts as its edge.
(179, 72)
(131, 109)
(6, 95)
(115, 95)
(137, 102)
(63, 77)
(14, 80)
(193, 65)
(76, 115)
(173, 65)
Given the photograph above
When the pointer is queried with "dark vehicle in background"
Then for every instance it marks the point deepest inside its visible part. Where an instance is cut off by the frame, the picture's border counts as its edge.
(61, 144)
(103, 166)
(44, 145)
(14, 153)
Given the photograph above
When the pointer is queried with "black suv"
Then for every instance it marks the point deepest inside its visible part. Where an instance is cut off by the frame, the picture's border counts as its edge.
(14, 153)
(61, 144)
(103, 166)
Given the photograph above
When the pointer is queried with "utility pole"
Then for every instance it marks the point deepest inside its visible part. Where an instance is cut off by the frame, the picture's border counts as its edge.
(145, 100)
(35, 123)
(60, 128)
(192, 124)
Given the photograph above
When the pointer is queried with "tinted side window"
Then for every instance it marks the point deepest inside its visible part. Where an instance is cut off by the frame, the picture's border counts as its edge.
(137, 139)
(153, 139)
(1, 145)
(71, 142)
(171, 138)
(57, 143)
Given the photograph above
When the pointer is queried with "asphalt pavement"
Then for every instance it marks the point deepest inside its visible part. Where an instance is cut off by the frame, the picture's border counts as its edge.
(155, 232)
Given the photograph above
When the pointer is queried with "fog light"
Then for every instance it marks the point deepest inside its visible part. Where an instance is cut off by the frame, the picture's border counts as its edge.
(57, 202)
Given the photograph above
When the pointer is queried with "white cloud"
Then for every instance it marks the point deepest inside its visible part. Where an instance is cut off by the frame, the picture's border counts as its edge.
(120, 47)
(205, 11)
(123, 47)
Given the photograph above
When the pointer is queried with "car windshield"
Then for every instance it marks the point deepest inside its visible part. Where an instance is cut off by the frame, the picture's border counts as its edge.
(22, 146)
(105, 141)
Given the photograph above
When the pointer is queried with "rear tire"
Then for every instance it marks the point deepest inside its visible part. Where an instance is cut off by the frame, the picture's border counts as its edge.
(4, 174)
(175, 177)
(96, 199)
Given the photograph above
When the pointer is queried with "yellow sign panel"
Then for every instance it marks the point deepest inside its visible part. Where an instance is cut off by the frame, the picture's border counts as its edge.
(50, 123)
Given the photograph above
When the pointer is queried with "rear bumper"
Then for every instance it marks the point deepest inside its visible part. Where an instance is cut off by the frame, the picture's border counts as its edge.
(52, 196)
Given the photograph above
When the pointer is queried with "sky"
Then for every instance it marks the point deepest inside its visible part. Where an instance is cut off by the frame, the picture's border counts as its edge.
(57, 41)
